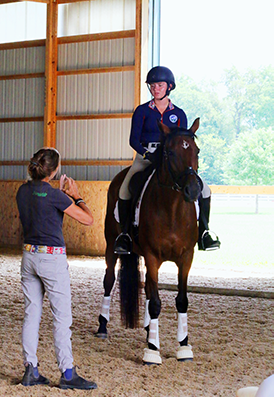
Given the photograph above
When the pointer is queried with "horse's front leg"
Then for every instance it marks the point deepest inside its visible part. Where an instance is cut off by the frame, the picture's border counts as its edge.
(152, 312)
(185, 351)
(109, 280)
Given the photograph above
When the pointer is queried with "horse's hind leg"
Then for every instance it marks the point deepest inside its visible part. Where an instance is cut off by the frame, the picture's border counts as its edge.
(185, 351)
(109, 280)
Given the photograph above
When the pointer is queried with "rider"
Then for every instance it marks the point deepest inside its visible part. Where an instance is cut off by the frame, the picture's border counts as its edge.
(144, 139)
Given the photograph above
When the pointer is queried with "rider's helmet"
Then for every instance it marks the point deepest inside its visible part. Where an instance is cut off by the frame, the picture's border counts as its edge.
(161, 73)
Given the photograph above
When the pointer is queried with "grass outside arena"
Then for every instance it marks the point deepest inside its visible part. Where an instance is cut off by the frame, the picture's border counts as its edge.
(244, 224)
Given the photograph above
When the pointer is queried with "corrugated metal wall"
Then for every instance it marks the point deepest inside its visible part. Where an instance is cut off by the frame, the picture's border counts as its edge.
(96, 17)
(91, 93)
(95, 93)
(21, 97)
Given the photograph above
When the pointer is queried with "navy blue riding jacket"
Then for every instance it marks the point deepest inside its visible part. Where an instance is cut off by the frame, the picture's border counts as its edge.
(144, 128)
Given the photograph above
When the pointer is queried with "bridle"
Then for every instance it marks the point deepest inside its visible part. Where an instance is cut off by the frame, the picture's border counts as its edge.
(179, 181)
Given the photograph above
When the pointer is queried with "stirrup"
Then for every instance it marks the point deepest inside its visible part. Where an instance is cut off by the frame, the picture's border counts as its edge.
(207, 243)
(123, 244)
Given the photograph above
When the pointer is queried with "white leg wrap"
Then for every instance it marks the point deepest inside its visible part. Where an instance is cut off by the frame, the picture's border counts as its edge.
(147, 316)
(154, 333)
(182, 327)
(105, 307)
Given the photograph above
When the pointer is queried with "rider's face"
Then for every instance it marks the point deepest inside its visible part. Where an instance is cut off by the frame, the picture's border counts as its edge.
(158, 90)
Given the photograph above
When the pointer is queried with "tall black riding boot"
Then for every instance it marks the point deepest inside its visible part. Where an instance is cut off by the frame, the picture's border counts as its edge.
(205, 241)
(123, 243)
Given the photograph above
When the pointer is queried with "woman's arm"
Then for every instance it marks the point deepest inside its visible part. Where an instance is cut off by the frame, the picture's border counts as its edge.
(80, 210)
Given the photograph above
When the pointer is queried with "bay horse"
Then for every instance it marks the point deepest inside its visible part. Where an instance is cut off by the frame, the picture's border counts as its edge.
(167, 232)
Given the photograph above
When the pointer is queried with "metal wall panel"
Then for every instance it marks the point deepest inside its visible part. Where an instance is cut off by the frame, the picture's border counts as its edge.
(22, 60)
(18, 141)
(94, 54)
(22, 21)
(22, 97)
(96, 93)
(14, 172)
(96, 17)
(94, 139)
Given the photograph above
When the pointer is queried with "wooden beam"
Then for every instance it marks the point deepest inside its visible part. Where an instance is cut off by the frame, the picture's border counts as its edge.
(218, 189)
(20, 119)
(96, 37)
(73, 162)
(23, 44)
(137, 53)
(22, 76)
(101, 116)
(51, 75)
(70, 1)
(110, 69)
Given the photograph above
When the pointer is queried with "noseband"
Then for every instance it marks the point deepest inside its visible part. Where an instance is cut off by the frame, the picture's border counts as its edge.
(180, 181)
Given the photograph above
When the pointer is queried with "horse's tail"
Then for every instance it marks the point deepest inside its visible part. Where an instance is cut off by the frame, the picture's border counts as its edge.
(129, 290)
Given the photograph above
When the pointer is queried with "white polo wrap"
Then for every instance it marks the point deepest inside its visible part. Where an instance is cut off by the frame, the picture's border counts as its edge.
(182, 326)
(147, 316)
(154, 333)
(105, 307)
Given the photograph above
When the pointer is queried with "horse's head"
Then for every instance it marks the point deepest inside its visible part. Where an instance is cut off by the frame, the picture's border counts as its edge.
(180, 159)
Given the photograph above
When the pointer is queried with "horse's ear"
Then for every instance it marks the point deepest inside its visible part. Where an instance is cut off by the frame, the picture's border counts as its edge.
(195, 125)
(163, 128)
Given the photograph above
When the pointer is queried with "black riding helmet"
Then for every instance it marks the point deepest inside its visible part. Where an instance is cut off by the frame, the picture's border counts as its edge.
(161, 73)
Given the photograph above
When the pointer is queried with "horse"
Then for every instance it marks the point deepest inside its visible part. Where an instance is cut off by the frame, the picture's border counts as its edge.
(167, 231)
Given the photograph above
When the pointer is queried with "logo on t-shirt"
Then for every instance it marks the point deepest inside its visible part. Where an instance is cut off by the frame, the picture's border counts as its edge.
(39, 194)
(173, 118)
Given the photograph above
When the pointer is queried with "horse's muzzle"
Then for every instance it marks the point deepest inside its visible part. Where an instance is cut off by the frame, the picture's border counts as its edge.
(193, 186)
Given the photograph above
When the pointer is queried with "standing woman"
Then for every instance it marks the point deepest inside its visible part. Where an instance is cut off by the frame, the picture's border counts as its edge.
(44, 267)
(144, 139)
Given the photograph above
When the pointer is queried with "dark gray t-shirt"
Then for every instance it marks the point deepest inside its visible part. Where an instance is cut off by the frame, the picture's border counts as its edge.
(41, 209)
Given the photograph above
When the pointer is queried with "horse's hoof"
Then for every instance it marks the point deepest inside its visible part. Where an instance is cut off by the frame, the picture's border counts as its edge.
(247, 392)
(100, 335)
(152, 357)
(185, 353)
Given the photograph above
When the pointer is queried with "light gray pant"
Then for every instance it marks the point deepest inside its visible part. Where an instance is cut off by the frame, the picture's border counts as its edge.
(48, 273)
(139, 164)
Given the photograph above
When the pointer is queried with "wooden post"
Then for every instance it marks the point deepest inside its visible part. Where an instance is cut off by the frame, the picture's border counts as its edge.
(138, 29)
(51, 75)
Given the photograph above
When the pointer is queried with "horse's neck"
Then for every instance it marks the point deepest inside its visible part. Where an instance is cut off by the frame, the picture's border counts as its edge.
(163, 176)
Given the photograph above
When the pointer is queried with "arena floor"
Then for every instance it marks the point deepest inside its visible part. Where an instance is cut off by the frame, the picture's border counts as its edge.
(232, 337)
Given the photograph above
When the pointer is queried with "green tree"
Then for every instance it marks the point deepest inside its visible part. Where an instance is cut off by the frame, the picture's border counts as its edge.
(214, 130)
(251, 159)
(212, 153)
(250, 98)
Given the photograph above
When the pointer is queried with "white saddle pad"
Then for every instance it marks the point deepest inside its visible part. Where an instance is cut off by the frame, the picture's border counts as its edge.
(138, 206)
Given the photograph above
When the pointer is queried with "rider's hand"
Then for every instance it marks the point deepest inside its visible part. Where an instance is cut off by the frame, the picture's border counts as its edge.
(149, 156)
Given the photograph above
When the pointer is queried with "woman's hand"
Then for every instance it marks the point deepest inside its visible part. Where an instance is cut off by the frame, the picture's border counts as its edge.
(68, 186)
(63, 180)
